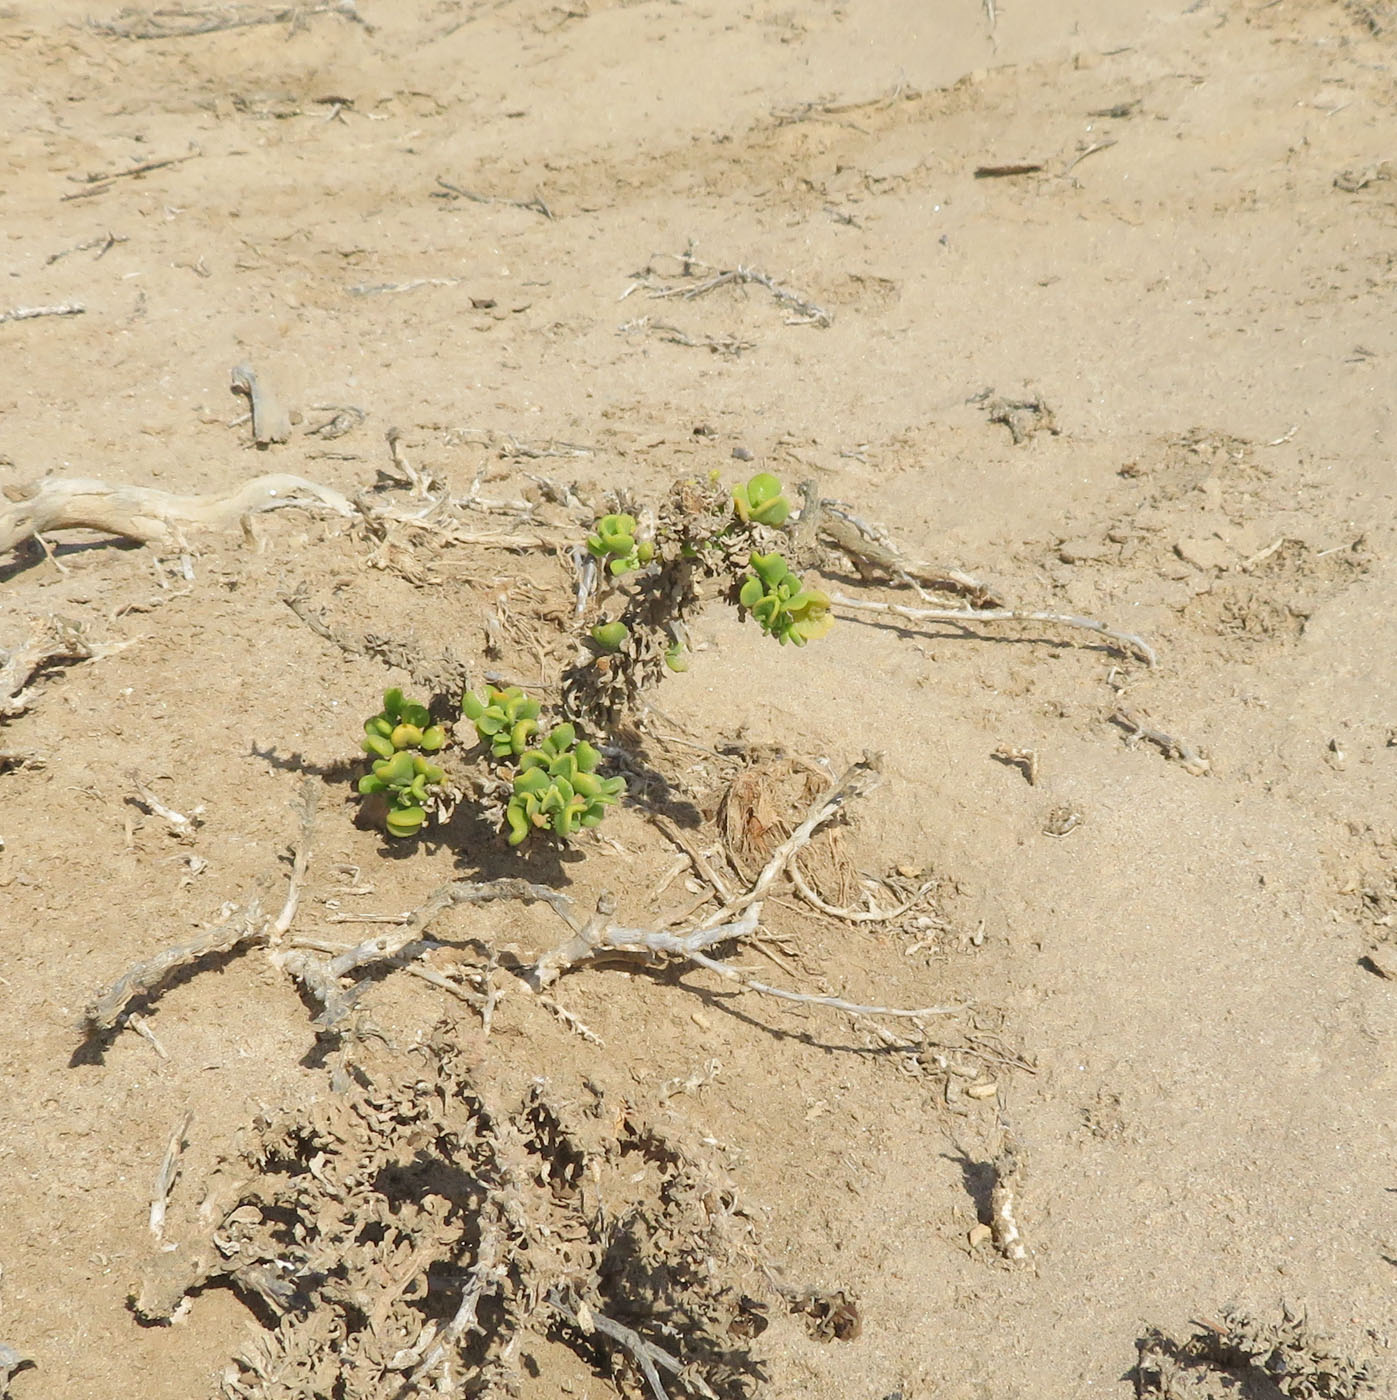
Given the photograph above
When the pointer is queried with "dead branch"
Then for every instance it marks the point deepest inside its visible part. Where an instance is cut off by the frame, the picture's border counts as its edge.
(647, 1355)
(270, 420)
(870, 546)
(1189, 758)
(969, 617)
(805, 311)
(169, 1170)
(857, 781)
(449, 191)
(486, 1276)
(186, 24)
(62, 641)
(103, 244)
(151, 516)
(243, 927)
(703, 867)
(31, 313)
(853, 916)
(181, 827)
(299, 861)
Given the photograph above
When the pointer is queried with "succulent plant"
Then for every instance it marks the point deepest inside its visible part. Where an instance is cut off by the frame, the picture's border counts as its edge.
(401, 724)
(399, 738)
(557, 788)
(760, 500)
(610, 636)
(614, 544)
(782, 604)
(505, 719)
(407, 780)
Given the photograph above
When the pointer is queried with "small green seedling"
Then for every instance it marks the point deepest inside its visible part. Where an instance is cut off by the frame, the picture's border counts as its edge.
(760, 500)
(614, 544)
(401, 724)
(505, 719)
(557, 788)
(610, 636)
(398, 738)
(782, 604)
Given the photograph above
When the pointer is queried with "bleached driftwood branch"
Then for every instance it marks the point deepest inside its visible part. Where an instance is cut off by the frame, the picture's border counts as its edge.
(151, 516)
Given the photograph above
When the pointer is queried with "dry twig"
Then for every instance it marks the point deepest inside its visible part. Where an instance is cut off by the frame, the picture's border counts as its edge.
(30, 313)
(969, 617)
(270, 420)
(62, 641)
(187, 23)
(1189, 758)
(805, 312)
(150, 516)
(169, 1170)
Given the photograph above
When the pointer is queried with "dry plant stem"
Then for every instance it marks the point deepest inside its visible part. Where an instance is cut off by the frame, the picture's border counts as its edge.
(853, 916)
(485, 1277)
(149, 516)
(32, 313)
(870, 544)
(703, 867)
(270, 420)
(851, 1008)
(300, 860)
(169, 1170)
(647, 1355)
(805, 310)
(181, 826)
(534, 205)
(858, 780)
(185, 24)
(245, 926)
(64, 643)
(1189, 758)
(974, 616)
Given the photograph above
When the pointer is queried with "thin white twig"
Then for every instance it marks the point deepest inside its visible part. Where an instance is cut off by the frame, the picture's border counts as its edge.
(853, 916)
(169, 1170)
(969, 617)
(30, 313)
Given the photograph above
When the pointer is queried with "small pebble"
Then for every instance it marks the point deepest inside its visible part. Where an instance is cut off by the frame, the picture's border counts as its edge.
(986, 1090)
(980, 1235)
(743, 454)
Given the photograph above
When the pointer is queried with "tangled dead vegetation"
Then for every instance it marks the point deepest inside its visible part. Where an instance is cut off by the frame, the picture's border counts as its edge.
(1240, 1353)
(422, 1229)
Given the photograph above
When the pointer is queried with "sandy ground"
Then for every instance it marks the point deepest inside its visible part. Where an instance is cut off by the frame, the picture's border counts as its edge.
(1171, 977)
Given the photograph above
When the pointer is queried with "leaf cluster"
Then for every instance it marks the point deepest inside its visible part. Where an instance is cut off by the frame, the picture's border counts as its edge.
(557, 788)
(400, 736)
(613, 543)
(782, 604)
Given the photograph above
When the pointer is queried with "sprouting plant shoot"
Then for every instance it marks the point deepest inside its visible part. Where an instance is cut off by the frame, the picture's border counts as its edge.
(557, 788)
(504, 719)
(761, 500)
(782, 604)
(545, 779)
(399, 737)
(703, 533)
(614, 544)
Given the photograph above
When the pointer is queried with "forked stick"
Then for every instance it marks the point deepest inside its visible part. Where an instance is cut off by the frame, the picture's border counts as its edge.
(968, 617)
